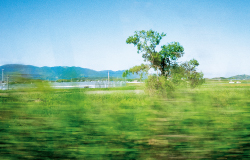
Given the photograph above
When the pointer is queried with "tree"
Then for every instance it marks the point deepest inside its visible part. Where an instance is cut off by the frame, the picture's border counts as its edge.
(165, 60)
(146, 42)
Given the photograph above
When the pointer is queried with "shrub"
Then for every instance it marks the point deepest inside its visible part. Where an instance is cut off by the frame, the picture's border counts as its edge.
(159, 86)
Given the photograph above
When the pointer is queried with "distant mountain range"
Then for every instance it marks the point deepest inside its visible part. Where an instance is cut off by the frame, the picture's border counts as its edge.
(240, 77)
(58, 72)
(237, 77)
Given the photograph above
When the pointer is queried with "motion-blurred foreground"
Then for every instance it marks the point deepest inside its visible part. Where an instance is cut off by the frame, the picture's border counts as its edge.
(209, 122)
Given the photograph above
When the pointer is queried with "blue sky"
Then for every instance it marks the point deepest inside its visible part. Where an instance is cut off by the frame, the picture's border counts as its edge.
(92, 34)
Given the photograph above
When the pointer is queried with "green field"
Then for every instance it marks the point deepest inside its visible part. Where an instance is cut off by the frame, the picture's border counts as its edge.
(209, 122)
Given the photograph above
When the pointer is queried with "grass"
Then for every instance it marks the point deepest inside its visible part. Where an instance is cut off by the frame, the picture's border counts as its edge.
(208, 122)
(129, 86)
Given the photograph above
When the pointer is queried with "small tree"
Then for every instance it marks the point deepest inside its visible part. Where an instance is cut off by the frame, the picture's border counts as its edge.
(195, 78)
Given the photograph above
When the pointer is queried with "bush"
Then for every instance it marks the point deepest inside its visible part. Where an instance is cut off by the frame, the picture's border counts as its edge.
(159, 86)
(196, 79)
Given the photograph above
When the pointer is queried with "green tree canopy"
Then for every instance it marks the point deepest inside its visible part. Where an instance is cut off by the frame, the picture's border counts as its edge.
(146, 42)
(195, 78)
(140, 70)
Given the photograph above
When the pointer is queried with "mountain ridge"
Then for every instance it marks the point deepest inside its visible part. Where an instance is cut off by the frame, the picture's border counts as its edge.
(236, 77)
(59, 72)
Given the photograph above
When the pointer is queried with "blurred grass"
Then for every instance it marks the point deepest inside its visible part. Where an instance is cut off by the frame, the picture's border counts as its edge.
(209, 122)
(129, 86)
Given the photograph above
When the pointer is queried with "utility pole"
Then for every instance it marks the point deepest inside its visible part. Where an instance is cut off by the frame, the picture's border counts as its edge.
(8, 82)
(2, 78)
(108, 79)
(2, 75)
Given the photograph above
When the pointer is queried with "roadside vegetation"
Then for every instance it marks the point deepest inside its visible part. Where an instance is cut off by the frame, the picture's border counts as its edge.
(208, 122)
